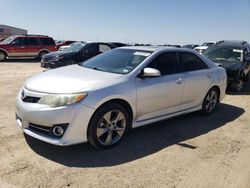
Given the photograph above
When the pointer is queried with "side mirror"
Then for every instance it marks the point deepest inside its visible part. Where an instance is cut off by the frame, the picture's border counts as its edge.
(150, 72)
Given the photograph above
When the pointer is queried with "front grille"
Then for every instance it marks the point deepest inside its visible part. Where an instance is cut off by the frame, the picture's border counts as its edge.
(30, 99)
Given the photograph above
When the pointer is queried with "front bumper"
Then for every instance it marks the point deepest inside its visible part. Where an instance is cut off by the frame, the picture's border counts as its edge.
(76, 116)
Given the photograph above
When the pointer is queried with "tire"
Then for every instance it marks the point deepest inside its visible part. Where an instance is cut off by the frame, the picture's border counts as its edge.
(2, 56)
(237, 85)
(210, 102)
(41, 54)
(108, 126)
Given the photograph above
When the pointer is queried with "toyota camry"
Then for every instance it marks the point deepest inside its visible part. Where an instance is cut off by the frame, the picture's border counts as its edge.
(99, 100)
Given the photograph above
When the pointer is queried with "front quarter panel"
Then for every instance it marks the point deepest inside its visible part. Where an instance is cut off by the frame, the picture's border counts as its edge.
(125, 90)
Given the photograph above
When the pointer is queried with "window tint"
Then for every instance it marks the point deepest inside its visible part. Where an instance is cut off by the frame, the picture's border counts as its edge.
(104, 48)
(31, 42)
(93, 48)
(19, 42)
(166, 63)
(191, 62)
(47, 41)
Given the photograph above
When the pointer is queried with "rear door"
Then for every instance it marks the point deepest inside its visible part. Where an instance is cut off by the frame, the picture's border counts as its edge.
(198, 79)
(160, 96)
(32, 46)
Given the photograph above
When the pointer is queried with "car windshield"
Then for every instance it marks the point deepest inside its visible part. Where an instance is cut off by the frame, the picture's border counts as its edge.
(227, 54)
(120, 61)
(8, 40)
(75, 47)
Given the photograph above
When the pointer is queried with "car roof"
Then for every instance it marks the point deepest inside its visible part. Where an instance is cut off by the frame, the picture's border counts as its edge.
(155, 48)
(238, 43)
(35, 36)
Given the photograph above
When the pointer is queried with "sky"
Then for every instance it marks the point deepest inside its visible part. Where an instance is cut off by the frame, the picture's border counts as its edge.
(131, 21)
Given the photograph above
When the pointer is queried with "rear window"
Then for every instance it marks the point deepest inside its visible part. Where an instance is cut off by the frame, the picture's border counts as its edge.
(47, 41)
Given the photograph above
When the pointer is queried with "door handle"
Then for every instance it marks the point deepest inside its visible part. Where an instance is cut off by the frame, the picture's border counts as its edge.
(22, 46)
(179, 80)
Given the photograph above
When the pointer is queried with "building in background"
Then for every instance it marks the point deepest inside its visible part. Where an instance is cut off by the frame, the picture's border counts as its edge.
(6, 31)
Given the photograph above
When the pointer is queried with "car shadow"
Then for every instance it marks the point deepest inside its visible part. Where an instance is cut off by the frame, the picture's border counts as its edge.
(22, 60)
(245, 90)
(140, 142)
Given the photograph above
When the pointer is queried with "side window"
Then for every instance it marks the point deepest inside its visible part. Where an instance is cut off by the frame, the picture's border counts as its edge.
(31, 42)
(19, 42)
(104, 48)
(191, 62)
(93, 48)
(47, 41)
(166, 63)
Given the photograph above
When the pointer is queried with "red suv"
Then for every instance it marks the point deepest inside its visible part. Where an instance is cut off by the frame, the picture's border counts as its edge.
(26, 46)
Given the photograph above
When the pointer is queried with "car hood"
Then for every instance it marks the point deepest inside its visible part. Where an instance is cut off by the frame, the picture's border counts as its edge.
(70, 79)
(229, 65)
(58, 53)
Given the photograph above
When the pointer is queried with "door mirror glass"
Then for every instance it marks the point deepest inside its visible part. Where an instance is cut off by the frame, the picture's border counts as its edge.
(151, 72)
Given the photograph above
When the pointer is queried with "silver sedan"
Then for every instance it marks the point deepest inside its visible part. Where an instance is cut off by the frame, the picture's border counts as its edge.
(101, 99)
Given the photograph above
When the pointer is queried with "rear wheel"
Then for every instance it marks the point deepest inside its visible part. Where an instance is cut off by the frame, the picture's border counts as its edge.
(41, 54)
(210, 102)
(2, 56)
(108, 126)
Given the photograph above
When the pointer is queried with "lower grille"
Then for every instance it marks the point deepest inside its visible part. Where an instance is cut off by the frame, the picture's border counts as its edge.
(39, 128)
(30, 99)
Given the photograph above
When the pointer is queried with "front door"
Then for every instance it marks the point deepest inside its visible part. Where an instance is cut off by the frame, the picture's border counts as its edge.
(162, 95)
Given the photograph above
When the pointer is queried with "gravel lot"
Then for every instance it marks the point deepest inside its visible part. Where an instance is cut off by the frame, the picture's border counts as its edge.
(188, 151)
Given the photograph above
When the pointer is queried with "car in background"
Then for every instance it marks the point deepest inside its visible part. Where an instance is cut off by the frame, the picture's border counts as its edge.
(190, 46)
(64, 43)
(101, 99)
(234, 56)
(202, 48)
(118, 44)
(26, 46)
(75, 53)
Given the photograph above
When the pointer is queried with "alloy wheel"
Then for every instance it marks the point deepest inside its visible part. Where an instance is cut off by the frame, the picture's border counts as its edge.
(211, 101)
(111, 127)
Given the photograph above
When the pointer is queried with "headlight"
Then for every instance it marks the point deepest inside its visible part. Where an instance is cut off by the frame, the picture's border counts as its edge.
(61, 99)
(57, 58)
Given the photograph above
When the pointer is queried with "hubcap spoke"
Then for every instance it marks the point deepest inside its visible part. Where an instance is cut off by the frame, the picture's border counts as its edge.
(101, 131)
(119, 117)
(109, 137)
(107, 117)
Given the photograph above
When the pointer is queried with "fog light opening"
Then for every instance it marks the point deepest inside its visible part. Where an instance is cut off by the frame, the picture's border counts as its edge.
(58, 131)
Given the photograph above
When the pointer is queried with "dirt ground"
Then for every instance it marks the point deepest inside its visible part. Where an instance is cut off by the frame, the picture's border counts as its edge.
(188, 151)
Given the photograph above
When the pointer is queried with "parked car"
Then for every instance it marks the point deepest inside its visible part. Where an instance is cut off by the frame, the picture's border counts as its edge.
(63, 48)
(99, 100)
(118, 44)
(26, 46)
(77, 52)
(190, 46)
(64, 43)
(234, 56)
(201, 49)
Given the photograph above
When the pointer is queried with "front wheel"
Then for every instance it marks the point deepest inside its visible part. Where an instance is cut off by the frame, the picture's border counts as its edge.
(2, 56)
(210, 102)
(108, 126)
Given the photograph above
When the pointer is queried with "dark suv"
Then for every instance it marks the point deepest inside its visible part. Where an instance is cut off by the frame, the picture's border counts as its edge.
(26, 46)
(234, 56)
(76, 53)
